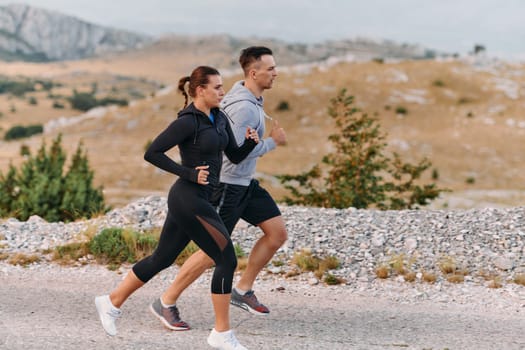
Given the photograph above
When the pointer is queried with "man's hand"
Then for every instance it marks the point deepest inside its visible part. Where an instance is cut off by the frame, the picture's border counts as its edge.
(277, 134)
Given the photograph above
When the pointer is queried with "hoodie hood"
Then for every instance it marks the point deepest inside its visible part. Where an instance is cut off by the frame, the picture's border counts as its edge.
(240, 93)
(191, 109)
(197, 114)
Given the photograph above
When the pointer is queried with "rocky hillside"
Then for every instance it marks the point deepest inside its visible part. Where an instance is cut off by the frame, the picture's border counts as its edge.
(33, 34)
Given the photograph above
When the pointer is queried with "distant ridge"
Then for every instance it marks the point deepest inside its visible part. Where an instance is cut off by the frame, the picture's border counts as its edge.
(33, 34)
(228, 48)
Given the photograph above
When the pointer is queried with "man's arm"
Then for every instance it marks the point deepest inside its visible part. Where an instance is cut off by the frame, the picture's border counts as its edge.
(248, 116)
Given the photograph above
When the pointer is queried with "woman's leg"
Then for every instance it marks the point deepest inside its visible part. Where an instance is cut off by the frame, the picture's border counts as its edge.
(171, 243)
(214, 240)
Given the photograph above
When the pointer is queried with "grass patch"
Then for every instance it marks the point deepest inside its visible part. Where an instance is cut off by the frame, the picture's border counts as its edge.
(115, 246)
(456, 278)
(447, 265)
(306, 261)
(333, 280)
(239, 252)
(410, 276)
(429, 277)
(69, 253)
(186, 253)
(23, 259)
(382, 272)
(495, 283)
(520, 279)
(242, 263)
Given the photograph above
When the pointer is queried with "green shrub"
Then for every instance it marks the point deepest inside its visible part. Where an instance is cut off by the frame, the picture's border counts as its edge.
(115, 246)
(33, 101)
(19, 131)
(17, 88)
(110, 246)
(359, 174)
(112, 101)
(57, 105)
(401, 110)
(41, 188)
(82, 101)
(283, 106)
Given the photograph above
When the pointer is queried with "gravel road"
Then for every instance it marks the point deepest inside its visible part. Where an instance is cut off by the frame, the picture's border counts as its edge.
(46, 306)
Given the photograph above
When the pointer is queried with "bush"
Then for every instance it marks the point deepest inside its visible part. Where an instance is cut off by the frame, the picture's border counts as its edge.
(283, 106)
(83, 101)
(19, 132)
(57, 105)
(17, 88)
(359, 174)
(112, 101)
(111, 246)
(401, 110)
(40, 188)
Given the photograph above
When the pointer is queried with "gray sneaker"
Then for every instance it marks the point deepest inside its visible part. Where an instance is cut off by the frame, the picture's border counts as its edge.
(107, 313)
(248, 302)
(169, 316)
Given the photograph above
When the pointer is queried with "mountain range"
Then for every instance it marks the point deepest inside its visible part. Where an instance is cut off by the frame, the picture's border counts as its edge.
(33, 34)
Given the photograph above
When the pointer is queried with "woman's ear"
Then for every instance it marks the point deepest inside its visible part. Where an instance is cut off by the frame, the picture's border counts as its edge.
(199, 90)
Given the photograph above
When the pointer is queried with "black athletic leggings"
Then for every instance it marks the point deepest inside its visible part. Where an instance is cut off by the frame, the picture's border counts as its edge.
(191, 217)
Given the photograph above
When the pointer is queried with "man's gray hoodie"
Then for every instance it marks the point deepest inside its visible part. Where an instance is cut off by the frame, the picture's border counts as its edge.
(244, 110)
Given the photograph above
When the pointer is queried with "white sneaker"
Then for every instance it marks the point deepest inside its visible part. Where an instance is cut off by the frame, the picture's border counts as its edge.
(108, 314)
(224, 340)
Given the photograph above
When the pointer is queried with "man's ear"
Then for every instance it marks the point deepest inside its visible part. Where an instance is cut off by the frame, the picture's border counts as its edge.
(253, 74)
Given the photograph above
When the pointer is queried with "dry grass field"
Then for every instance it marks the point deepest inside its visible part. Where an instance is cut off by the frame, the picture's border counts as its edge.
(467, 116)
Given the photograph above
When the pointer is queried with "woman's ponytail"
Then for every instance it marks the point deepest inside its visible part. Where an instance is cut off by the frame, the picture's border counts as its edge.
(182, 83)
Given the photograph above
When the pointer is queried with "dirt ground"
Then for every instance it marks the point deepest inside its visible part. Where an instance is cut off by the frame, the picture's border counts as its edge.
(52, 307)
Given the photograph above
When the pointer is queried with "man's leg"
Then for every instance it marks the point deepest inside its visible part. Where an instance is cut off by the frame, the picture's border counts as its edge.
(274, 237)
(192, 268)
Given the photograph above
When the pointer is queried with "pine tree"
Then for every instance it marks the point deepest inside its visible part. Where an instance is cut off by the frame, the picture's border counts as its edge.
(80, 198)
(359, 174)
(40, 182)
(40, 188)
(8, 191)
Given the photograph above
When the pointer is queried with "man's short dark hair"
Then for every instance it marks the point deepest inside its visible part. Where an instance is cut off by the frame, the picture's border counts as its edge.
(252, 54)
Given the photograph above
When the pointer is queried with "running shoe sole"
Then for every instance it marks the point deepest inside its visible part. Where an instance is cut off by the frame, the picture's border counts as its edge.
(246, 307)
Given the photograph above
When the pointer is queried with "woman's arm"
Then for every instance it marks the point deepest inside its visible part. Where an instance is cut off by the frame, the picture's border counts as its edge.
(236, 153)
(173, 135)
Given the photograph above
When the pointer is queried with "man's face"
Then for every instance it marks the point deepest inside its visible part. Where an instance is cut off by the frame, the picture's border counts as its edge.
(264, 72)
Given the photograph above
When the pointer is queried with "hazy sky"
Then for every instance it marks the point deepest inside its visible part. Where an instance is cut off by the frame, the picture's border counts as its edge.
(449, 25)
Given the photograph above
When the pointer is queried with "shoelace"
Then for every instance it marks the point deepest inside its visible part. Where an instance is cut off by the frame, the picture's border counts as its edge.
(175, 312)
(114, 313)
(251, 295)
(232, 339)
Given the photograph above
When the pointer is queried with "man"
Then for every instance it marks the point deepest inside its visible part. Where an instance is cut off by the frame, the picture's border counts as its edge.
(239, 195)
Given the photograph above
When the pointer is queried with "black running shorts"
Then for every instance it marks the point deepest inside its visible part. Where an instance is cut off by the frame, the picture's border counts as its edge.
(251, 203)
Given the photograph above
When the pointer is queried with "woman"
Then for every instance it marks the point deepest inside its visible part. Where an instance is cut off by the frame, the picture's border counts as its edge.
(202, 133)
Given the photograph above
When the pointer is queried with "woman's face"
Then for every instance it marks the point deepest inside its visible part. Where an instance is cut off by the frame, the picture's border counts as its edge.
(213, 92)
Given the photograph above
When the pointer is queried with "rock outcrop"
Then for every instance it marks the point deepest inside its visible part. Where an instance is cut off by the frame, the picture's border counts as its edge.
(33, 34)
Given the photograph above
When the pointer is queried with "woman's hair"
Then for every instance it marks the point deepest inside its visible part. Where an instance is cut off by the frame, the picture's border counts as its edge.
(199, 77)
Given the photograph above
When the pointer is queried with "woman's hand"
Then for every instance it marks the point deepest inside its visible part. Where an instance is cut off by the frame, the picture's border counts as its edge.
(252, 134)
(202, 176)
